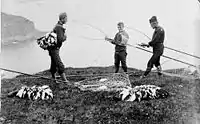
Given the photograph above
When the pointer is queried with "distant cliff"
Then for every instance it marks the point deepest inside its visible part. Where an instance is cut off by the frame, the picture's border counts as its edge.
(15, 29)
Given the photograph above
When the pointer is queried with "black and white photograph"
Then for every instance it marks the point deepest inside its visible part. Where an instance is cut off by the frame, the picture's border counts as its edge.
(100, 62)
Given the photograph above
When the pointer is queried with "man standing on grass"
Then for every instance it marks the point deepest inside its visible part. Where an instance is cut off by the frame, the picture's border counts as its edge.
(56, 63)
(120, 41)
(158, 47)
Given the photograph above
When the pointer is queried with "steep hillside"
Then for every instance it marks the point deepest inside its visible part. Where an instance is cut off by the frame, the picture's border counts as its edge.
(17, 29)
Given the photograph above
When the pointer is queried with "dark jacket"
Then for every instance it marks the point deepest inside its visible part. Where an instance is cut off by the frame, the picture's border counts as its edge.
(120, 40)
(61, 37)
(157, 40)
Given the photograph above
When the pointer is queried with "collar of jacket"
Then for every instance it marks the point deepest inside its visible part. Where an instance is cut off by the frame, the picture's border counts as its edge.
(158, 27)
(60, 23)
(121, 31)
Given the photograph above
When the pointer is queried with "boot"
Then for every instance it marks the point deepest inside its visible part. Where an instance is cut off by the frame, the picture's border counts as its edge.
(148, 70)
(116, 69)
(63, 77)
(54, 77)
(125, 69)
(159, 70)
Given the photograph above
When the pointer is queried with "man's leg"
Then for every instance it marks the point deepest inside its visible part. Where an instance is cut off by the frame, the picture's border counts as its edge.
(123, 60)
(117, 62)
(53, 65)
(158, 66)
(150, 64)
(60, 66)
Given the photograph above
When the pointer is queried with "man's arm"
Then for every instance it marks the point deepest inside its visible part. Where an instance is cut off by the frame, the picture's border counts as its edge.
(111, 40)
(61, 37)
(124, 39)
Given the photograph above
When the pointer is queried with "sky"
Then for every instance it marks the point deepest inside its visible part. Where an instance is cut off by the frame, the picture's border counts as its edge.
(179, 18)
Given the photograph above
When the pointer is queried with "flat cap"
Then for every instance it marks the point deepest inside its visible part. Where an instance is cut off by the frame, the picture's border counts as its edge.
(153, 19)
(120, 23)
(62, 15)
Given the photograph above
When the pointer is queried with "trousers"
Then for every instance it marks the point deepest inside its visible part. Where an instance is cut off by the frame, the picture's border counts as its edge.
(120, 57)
(56, 63)
(154, 61)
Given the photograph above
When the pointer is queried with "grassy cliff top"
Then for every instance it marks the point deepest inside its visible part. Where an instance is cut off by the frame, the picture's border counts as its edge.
(71, 105)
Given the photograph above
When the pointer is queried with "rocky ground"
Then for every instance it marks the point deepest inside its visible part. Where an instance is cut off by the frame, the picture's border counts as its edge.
(73, 106)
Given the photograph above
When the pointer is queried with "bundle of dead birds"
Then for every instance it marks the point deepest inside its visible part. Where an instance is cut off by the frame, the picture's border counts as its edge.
(33, 93)
(143, 92)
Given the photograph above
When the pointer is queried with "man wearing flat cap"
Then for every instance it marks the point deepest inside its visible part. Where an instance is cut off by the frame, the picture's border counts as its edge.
(158, 47)
(56, 63)
(120, 41)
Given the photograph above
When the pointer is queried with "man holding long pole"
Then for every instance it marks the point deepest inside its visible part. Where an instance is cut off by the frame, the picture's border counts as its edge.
(120, 42)
(158, 47)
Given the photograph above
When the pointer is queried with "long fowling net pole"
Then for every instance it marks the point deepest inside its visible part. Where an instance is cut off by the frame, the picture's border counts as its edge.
(31, 75)
(166, 56)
